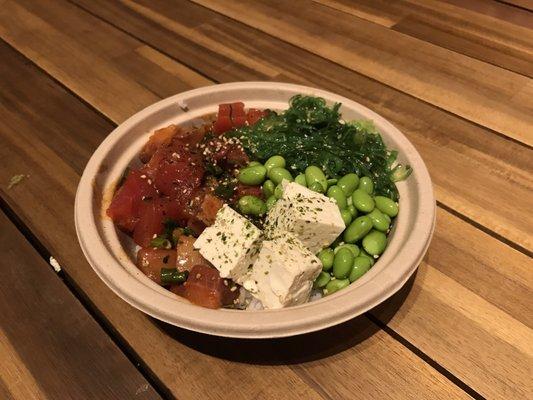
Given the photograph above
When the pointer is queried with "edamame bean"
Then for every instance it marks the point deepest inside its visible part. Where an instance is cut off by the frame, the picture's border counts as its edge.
(380, 221)
(336, 193)
(270, 202)
(326, 257)
(346, 217)
(366, 184)
(352, 209)
(363, 201)
(360, 266)
(278, 191)
(277, 174)
(300, 179)
(268, 188)
(335, 285)
(253, 163)
(252, 205)
(375, 242)
(386, 206)
(352, 247)
(321, 280)
(332, 182)
(275, 161)
(314, 174)
(342, 263)
(348, 183)
(254, 175)
(363, 253)
(316, 187)
(357, 229)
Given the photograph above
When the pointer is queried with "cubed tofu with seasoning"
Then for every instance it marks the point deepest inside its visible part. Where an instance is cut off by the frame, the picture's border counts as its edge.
(312, 217)
(283, 272)
(230, 244)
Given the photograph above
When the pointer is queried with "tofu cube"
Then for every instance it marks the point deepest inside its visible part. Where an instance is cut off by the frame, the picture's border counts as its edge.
(231, 244)
(283, 272)
(312, 217)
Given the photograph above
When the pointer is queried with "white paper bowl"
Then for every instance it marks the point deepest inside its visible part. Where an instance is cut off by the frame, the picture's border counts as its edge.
(103, 246)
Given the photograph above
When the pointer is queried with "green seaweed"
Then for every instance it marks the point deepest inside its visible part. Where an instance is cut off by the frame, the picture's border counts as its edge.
(310, 132)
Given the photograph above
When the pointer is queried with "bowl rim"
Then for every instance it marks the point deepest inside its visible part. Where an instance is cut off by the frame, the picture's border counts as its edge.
(331, 310)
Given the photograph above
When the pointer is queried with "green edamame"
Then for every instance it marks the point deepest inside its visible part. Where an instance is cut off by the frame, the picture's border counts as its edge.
(314, 174)
(275, 161)
(335, 285)
(336, 193)
(254, 175)
(321, 280)
(316, 187)
(332, 181)
(366, 184)
(348, 183)
(346, 216)
(278, 191)
(254, 163)
(357, 229)
(380, 221)
(252, 205)
(268, 188)
(326, 257)
(375, 242)
(270, 202)
(386, 206)
(277, 174)
(352, 247)
(300, 179)
(363, 201)
(363, 253)
(360, 266)
(352, 210)
(342, 263)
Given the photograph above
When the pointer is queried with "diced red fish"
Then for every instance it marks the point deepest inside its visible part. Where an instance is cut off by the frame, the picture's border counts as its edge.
(161, 137)
(128, 201)
(186, 255)
(150, 261)
(206, 288)
(229, 116)
(253, 115)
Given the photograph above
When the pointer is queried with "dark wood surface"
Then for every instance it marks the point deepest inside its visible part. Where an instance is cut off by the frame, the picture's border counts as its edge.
(50, 346)
(455, 77)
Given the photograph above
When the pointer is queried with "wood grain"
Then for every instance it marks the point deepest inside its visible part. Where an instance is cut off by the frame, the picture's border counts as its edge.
(482, 37)
(526, 4)
(482, 158)
(47, 338)
(100, 76)
(170, 353)
(475, 90)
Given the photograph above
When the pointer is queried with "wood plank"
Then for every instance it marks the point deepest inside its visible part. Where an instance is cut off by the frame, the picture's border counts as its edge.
(50, 339)
(117, 67)
(477, 290)
(472, 89)
(526, 4)
(173, 355)
(498, 10)
(454, 28)
(444, 141)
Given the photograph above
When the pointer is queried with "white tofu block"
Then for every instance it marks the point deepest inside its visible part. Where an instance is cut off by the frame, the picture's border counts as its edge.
(283, 272)
(313, 218)
(231, 244)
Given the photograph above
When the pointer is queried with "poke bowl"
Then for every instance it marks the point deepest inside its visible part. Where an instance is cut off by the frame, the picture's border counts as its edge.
(255, 210)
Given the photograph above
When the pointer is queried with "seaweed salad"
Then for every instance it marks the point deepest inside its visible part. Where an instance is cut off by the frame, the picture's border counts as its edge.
(311, 133)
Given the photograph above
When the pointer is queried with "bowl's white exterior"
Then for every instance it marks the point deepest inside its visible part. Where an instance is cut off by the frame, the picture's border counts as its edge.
(114, 263)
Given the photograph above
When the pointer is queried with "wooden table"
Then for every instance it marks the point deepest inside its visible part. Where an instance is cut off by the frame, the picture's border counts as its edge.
(454, 76)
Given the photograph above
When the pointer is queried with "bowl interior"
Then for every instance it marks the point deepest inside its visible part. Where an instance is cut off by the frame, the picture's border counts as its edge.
(112, 254)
